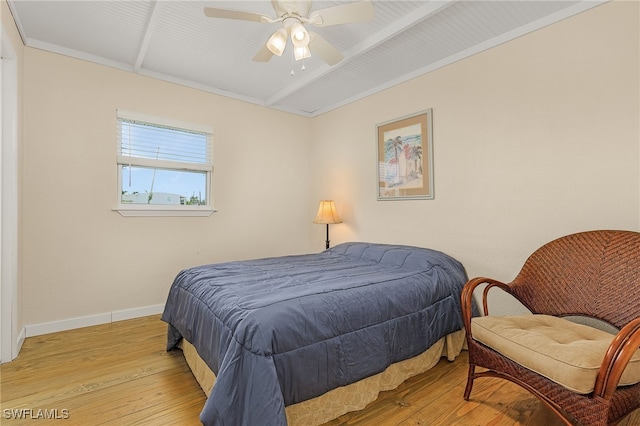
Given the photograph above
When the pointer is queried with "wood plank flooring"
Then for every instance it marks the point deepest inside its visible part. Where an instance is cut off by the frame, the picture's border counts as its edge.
(120, 374)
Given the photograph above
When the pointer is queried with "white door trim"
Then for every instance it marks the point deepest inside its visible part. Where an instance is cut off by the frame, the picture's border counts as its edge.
(11, 337)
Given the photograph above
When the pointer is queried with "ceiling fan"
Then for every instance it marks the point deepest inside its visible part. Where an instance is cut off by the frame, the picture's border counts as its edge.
(293, 15)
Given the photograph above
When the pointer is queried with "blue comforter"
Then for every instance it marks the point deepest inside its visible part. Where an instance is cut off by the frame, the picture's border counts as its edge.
(282, 330)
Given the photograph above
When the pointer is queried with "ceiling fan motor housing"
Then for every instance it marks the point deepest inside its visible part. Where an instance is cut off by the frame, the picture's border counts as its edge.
(283, 8)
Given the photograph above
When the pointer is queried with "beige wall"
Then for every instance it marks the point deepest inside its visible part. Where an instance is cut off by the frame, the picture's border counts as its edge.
(533, 139)
(536, 138)
(81, 258)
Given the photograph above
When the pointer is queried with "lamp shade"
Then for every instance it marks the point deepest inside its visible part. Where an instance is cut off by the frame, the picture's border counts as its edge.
(301, 53)
(277, 42)
(327, 213)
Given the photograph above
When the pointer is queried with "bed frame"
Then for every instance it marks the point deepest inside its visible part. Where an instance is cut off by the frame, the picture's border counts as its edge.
(344, 399)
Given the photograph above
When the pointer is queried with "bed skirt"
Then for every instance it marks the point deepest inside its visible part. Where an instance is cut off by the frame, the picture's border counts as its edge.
(344, 399)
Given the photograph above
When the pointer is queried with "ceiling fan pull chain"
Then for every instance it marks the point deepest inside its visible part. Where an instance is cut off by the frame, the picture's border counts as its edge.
(292, 60)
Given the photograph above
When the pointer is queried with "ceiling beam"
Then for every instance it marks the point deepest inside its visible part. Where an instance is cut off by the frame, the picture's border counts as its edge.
(397, 27)
(148, 32)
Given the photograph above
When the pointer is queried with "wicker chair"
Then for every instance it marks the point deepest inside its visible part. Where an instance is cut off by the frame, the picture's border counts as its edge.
(591, 274)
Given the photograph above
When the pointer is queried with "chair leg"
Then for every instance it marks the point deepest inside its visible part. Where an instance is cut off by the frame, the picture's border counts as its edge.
(470, 377)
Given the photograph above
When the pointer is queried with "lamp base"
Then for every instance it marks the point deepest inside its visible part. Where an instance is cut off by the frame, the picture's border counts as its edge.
(327, 237)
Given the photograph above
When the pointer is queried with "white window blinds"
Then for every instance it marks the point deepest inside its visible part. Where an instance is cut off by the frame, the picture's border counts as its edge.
(149, 144)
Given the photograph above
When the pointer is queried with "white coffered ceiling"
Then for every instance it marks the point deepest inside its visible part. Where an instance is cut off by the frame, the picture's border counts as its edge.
(173, 40)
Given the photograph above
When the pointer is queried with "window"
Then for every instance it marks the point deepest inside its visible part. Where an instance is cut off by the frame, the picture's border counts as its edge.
(164, 167)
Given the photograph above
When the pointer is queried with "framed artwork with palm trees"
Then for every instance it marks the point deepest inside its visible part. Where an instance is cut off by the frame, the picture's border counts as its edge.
(405, 158)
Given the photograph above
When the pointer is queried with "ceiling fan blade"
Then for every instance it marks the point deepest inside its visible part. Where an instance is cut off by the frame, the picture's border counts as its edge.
(263, 55)
(344, 14)
(322, 48)
(213, 12)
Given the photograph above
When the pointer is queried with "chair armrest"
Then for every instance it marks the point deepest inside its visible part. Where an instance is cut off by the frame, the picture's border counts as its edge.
(467, 298)
(620, 351)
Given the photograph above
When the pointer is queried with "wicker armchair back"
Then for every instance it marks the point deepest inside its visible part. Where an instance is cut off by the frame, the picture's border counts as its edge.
(590, 273)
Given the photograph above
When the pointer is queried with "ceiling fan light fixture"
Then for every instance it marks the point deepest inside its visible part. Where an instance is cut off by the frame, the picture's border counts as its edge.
(301, 52)
(299, 35)
(294, 16)
(277, 42)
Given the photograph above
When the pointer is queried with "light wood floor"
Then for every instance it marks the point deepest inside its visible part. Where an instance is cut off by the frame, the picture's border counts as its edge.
(120, 374)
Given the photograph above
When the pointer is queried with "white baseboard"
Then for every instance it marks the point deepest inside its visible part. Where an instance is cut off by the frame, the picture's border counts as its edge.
(21, 336)
(87, 321)
(144, 311)
(16, 350)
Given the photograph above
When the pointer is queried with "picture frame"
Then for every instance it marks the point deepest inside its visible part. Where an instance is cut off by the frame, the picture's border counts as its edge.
(405, 157)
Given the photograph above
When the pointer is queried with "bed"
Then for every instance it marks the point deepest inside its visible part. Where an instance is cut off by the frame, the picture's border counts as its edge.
(280, 334)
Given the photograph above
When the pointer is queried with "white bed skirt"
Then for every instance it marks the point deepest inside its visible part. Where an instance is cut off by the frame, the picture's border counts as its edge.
(344, 399)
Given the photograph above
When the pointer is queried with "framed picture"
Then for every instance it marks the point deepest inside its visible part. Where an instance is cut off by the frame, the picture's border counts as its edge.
(405, 158)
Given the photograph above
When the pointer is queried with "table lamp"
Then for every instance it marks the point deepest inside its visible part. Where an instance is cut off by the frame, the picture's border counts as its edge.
(327, 215)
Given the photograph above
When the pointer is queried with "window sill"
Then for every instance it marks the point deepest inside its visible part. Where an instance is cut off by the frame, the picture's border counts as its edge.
(158, 211)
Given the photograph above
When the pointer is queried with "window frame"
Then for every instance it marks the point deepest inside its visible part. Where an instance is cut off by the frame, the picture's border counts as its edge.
(161, 209)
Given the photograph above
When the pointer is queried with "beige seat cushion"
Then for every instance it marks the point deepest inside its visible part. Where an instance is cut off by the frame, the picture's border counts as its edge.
(567, 353)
